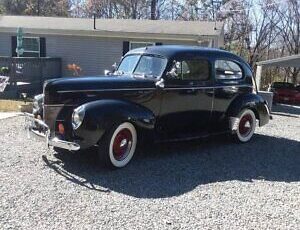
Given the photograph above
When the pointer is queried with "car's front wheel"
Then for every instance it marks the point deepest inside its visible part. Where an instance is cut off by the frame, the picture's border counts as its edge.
(246, 126)
(118, 146)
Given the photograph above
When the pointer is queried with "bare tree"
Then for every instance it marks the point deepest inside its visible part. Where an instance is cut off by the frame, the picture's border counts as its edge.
(289, 28)
(153, 9)
(251, 29)
(14, 7)
(263, 33)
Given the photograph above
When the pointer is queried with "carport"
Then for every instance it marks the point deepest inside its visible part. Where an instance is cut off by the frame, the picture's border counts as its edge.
(289, 61)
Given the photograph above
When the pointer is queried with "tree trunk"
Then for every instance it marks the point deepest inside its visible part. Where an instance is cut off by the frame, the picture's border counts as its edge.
(153, 9)
(295, 72)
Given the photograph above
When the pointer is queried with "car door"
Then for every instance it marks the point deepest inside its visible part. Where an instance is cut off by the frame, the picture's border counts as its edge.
(187, 99)
(230, 83)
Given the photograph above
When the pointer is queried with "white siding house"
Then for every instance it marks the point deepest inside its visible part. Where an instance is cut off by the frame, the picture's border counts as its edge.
(76, 41)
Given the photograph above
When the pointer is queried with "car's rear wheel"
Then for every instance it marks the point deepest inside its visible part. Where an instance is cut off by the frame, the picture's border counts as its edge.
(246, 126)
(118, 146)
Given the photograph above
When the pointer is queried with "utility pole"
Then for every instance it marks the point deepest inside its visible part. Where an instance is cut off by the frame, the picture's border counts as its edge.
(95, 15)
(215, 8)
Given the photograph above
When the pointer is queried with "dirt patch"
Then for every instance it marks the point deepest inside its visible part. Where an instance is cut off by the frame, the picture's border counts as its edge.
(10, 105)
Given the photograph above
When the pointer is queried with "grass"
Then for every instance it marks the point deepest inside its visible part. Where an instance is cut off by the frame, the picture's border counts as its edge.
(10, 105)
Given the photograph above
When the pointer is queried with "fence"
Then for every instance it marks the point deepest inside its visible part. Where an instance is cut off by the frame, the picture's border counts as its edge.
(27, 75)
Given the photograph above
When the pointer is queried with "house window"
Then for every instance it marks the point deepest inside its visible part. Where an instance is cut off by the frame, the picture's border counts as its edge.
(31, 46)
(227, 70)
(135, 45)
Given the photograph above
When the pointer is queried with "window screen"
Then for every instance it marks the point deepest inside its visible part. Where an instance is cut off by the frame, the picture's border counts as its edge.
(193, 70)
(31, 47)
(228, 70)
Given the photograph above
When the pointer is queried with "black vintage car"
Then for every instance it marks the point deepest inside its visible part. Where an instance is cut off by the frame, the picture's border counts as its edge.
(159, 93)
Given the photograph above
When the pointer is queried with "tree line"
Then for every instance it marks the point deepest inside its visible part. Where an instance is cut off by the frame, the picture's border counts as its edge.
(254, 29)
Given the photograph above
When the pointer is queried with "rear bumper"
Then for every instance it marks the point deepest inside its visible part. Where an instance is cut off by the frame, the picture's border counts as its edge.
(38, 129)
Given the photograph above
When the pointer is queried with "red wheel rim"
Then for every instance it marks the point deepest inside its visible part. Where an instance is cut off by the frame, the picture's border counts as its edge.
(245, 125)
(122, 144)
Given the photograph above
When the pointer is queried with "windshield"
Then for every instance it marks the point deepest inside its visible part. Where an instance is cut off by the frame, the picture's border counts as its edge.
(128, 64)
(144, 65)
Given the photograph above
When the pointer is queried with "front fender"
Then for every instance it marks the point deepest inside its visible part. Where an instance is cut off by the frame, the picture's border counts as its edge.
(101, 115)
(251, 101)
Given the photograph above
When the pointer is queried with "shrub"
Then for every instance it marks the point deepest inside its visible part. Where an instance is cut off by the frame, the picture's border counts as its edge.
(75, 69)
(4, 70)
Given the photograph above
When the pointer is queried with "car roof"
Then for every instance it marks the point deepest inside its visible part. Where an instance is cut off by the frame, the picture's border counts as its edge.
(173, 51)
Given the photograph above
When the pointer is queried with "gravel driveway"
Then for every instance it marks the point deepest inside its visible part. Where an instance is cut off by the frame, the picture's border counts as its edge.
(206, 184)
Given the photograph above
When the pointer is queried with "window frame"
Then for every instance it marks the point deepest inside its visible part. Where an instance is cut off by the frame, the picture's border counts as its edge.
(193, 82)
(140, 42)
(39, 46)
(229, 79)
(141, 55)
(155, 56)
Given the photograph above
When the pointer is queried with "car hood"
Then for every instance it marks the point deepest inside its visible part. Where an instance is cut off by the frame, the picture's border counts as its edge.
(56, 88)
(97, 83)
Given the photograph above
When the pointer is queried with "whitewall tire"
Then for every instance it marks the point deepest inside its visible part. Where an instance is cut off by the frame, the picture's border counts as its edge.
(119, 145)
(246, 126)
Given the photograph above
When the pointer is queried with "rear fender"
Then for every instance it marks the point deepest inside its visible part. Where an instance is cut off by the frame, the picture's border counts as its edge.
(250, 101)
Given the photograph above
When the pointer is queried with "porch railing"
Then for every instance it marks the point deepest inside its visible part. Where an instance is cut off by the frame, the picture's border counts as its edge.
(27, 75)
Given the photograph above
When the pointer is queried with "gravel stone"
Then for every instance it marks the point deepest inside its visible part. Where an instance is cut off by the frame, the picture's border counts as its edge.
(206, 184)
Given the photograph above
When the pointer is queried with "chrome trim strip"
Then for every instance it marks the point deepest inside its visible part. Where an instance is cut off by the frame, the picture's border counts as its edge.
(59, 105)
(212, 87)
(141, 89)
(104, 90)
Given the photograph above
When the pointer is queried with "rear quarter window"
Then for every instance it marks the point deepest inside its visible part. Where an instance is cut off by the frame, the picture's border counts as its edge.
(228, 70)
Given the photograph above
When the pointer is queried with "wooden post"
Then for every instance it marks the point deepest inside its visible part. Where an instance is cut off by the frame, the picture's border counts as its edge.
(258, 76)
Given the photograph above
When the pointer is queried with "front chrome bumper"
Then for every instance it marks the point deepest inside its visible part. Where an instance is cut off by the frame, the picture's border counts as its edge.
(38, 129)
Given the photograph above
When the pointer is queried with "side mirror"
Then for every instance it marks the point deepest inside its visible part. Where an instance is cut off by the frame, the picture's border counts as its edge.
(113, 69)
(160, 83)
(107, 72)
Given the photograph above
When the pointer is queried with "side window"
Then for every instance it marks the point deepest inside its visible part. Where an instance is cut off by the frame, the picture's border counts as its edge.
(226, 70)
(197, 70)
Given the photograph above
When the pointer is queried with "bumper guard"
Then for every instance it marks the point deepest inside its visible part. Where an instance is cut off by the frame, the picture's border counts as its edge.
(42, 132)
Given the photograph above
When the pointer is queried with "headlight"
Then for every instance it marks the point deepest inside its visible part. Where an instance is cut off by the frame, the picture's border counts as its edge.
(77, 117)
